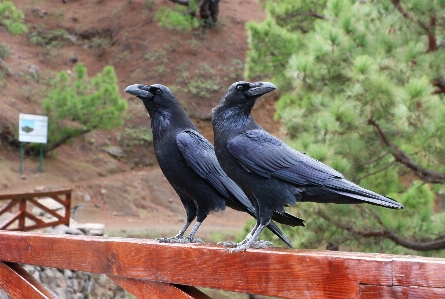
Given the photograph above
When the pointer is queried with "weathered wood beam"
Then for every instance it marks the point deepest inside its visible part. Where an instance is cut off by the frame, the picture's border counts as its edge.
(18, 283)
(144, 289)
(20, 195)
(272, 272)
(399, 292)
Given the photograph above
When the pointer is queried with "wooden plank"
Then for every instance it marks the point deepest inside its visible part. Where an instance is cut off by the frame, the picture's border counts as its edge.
(9, 206)
(400, 292)
(67, 207)
(22, 209)
(415, 271)
(34, 218)
(60, 200)
(144, 289)
(46, 209)
(18, 283)
(39, 226)
(7, 223)
(272, 272)
(19, 195)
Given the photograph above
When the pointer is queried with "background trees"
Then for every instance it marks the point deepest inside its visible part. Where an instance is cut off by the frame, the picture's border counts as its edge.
(77, 105)
(362, 88)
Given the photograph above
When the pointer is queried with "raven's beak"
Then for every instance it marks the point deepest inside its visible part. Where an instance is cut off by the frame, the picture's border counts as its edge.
(137, 90)
(259, 88)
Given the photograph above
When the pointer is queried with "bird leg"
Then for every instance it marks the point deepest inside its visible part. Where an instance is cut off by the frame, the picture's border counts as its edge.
(253, 241)
(178, 238)
(191, 237)
(233, 244)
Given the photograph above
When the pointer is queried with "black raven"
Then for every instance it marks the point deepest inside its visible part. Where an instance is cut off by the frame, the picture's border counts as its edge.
(189, 163)
(272, 174)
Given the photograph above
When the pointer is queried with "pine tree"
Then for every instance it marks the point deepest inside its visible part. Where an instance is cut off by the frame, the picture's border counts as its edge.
(79, 105)
(362, 89)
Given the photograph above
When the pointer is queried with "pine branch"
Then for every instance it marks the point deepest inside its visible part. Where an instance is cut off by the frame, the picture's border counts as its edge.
(431, 244)
(429, 29)
(372, 160)
(379, 170)
(426, 175)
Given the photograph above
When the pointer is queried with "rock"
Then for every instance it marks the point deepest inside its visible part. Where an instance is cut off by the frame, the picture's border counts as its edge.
(34, 73)
(91, 229)
(114, 151)
(39, 188)
(73, 58)
(62, 230)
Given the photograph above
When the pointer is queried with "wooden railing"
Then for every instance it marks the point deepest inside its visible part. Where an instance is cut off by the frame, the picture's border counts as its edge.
(148, 269)
(21, 201)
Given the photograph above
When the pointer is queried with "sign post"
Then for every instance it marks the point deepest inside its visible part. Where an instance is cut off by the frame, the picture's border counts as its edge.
(32, 128)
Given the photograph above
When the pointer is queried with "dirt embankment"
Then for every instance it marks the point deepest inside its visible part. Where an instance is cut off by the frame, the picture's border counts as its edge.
(126, 193)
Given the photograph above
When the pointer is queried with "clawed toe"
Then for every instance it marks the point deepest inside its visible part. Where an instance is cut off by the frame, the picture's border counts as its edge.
(194, 240)
(262, 244)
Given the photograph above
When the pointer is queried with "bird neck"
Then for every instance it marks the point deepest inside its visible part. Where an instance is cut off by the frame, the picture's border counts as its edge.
(235, 119)
(163, 121)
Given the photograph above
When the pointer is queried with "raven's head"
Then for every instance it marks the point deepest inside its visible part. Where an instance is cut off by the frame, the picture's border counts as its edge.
(156, 97)
(242, 96)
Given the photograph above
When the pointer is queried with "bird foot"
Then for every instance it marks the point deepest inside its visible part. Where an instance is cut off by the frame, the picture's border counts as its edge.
(245, 245)
(262, 244)
(194, 240)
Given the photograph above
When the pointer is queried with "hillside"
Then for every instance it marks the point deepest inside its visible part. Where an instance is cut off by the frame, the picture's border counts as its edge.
(126, 193)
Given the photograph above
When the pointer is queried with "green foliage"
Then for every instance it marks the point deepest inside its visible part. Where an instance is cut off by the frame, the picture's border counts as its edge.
(177, 18)
(5, 52)
(353, 69)
(77, 104)
(40, 36)
(12, 18)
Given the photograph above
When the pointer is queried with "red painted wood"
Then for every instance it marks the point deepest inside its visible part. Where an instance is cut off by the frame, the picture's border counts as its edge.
(400, 292)
(415, 271)
(67, 207)
(22, 207)
(9, 206)
(19, 195)
(7, 223)
(23, 198)
(144, 289)
(271, 272)
(18, 283)
(39, 226)
(46, 209)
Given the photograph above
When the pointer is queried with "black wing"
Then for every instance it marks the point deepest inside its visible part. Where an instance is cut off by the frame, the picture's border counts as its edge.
(200, 156)
(268, 156)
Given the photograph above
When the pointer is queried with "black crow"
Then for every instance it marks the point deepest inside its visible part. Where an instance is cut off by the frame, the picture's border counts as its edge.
(189, 163)
(272, 174)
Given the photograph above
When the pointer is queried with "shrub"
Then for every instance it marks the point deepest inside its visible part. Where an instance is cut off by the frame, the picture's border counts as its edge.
(12, 18)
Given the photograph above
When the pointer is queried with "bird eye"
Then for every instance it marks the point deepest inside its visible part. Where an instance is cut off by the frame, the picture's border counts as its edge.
(158, 91)
(240, 87)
